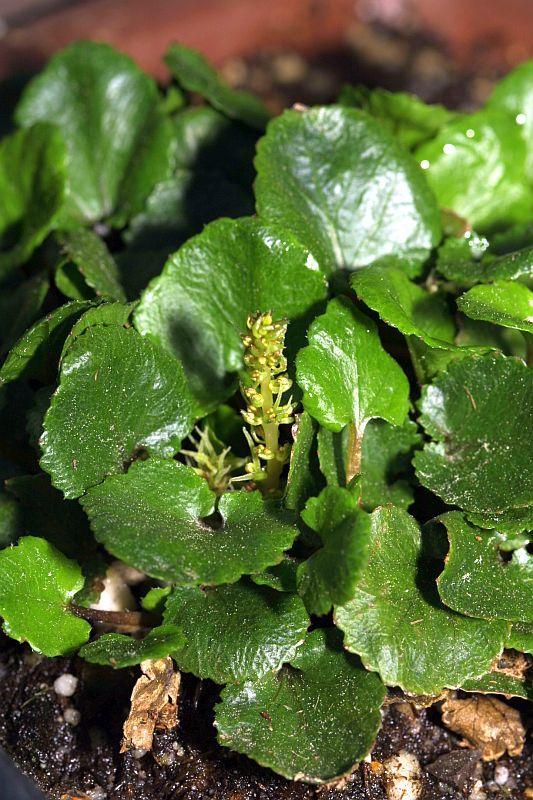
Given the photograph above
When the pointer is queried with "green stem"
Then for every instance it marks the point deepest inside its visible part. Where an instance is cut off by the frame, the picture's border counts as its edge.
(271, 436)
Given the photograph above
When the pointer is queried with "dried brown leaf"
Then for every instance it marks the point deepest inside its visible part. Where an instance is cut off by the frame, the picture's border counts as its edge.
(486, 723)
(154, 704)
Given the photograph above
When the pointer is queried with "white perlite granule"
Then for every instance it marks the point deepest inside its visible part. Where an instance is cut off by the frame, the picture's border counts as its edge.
(72, 716)
(65, 685)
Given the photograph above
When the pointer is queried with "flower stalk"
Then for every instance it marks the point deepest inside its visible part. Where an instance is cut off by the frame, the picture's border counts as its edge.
(267, 383)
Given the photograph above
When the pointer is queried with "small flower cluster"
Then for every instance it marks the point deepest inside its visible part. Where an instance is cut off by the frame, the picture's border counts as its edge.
(265, 410)
(211, 459)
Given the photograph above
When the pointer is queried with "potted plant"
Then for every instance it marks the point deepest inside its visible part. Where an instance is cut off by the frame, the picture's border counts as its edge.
(266, 412)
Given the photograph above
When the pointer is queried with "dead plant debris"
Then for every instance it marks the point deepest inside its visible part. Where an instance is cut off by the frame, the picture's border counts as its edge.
(154, 704)
(486, 723)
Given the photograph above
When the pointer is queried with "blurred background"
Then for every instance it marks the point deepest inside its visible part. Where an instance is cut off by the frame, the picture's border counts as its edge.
(290, 50)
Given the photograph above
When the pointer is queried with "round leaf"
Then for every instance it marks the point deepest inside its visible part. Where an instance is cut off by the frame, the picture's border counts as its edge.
(480, 416)
(36, 584)
(262, 628)
(398, 625)
(154, 517)
(330, 575)
(117, 136)
(118, 393)
(340, 182)
(312, 721)
(478, 580)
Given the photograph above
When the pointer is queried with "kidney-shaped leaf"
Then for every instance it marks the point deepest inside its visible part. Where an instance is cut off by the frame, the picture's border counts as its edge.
(337, 179)
(154, 517)
(330, 575)
(311, 721)
(262, 628)
(198, 307)
(36, 584)
(480, 416)
(398, 625)
(482, 577)
(117, 137)
(119, 393)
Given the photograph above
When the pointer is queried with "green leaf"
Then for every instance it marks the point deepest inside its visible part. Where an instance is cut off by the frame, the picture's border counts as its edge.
(514, 520)
(345, 188)
(118, 651)
(118, 138)
(346, 375)
(513, 95)
(194, 73)
(71, 283)
(197, 308)
(312, 721)
(497, 682)
(521, 637)
(103, 314)
(406, 306)
(44, 510)
(36, 354)
(480, 417)
(303, 480)
(478, 580)
(281, 577)
(262, 629)
(398, 625)
(19, 307)
(87, 251)
(386, 455)
(32, 191)
(330, 575)
(455, 262)
(154, 517)
(118, 393)
(405, 116)
(154, 600)
(485, 334)
(475, 166)
(504, 302)
(36, 584)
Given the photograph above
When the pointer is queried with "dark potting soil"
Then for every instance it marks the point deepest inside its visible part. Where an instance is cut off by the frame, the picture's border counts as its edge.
(82, 761)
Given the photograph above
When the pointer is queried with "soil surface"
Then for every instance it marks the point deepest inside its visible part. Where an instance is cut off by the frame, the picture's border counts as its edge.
(82, 761)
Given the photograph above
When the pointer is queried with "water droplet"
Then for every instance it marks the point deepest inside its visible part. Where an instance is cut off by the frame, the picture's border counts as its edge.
(470, 133)
(520, 119)
(424, 164)
(448, 148)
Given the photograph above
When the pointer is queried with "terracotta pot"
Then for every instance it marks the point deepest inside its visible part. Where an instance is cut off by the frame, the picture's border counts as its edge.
(489, 33)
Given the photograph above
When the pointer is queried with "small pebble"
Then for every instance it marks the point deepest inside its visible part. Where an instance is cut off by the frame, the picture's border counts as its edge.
(72, 716)
(138, 753)
(65, 685)
(501, 774)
